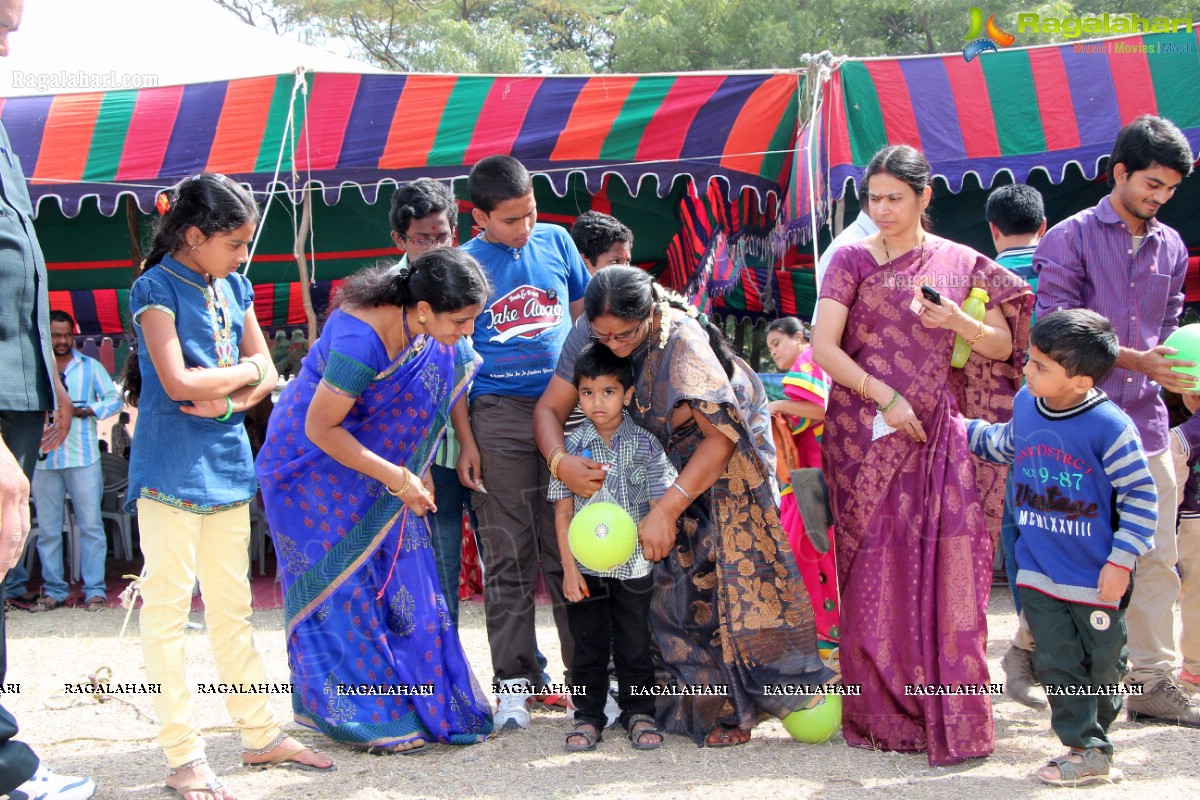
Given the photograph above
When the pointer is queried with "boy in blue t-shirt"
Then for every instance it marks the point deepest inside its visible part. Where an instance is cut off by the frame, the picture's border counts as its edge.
(1087, 509)
(538, 280)
(609, 611)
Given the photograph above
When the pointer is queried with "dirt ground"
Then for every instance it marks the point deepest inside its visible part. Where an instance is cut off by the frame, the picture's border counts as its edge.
(114, 742)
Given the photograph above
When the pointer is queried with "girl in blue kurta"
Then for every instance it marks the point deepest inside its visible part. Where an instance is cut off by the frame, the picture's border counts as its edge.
(375, 658)
(201, 362)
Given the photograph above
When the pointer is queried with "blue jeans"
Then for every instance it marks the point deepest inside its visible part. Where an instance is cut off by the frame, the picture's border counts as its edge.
(447, 530)
(1008, 540)
(85, 486)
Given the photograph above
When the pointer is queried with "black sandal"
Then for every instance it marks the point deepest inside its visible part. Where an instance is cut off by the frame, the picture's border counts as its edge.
(588, 732)
(634, 734)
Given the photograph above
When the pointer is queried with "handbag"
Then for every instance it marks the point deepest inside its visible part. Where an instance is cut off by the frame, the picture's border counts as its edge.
(812, 498)
(787, 457)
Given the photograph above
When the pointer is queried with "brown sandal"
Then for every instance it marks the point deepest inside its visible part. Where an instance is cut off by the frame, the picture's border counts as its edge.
(726, 736)
(45, 604)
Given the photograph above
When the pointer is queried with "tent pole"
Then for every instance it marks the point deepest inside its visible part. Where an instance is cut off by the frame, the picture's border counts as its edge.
(298, 251)
(131, 219)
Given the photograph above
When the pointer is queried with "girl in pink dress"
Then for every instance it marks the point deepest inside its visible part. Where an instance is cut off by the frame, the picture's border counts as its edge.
(806, 388)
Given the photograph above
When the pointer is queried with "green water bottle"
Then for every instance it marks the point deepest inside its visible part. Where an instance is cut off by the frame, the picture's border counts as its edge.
(975, 305)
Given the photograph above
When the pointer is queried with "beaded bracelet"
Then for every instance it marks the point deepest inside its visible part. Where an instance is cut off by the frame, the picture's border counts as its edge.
(891, 403)
(976, 339)
(228, 410)
(260, 370)
(403, 489)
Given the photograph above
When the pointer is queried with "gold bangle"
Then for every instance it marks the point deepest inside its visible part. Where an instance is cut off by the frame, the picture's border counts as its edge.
(550, 457)
(862, 385)
(403, 489)
(554, 464)
(983, 331)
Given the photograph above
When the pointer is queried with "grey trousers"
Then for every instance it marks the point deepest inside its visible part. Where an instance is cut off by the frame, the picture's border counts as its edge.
(516, 524)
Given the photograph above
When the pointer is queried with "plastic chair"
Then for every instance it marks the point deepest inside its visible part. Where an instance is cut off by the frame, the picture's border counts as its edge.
(112, 503)
(69, 530)
(258, 536)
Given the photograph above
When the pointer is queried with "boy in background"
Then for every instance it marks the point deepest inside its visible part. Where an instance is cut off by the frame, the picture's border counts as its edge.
(1086, 507)
(1016, 218)
(602, 241)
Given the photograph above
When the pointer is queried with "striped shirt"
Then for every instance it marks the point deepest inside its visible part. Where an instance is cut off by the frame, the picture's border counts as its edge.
(1089, 261)
(639, 472)
(88, 385)
(1083, 494)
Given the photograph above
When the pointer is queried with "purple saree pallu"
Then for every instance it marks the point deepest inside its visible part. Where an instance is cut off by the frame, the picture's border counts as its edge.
(913, 551)
(374, 657)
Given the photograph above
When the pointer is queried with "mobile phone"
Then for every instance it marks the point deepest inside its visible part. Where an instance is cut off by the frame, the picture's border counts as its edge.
(931, 294)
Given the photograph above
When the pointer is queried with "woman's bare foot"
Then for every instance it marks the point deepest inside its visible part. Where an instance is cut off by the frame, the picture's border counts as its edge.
(289, 753)
(726, 736)
(198, 782)
(407, 748)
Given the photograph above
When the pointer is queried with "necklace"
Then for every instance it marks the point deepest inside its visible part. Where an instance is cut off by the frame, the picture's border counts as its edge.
(637, 395)
(888, 256)
(218, 313)
(417, 346)
(515, 252)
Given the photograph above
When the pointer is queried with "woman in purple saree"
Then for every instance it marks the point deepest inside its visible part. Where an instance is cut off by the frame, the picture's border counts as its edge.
(913, 551)
(374, 657)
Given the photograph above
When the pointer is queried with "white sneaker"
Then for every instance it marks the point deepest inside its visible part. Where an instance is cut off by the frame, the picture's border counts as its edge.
(512, 707)
(46, 785)
(611, 710)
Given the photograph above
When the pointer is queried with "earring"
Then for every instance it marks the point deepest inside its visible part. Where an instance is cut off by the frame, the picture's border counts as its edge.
(421, 319)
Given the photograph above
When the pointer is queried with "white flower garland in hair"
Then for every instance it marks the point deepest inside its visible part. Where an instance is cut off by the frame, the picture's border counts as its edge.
(664, 313)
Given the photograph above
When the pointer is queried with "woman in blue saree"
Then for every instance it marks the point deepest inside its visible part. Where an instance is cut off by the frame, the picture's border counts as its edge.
(374, 657)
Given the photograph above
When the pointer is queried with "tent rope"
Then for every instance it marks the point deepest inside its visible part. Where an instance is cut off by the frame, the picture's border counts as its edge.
(288, 127)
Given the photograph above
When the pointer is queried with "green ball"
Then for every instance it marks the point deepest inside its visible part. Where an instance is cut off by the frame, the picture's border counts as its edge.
(602, 536)
(1187, 341)
(815, 725)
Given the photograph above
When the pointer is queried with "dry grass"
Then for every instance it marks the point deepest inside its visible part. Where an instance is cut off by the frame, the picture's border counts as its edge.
(114, 743)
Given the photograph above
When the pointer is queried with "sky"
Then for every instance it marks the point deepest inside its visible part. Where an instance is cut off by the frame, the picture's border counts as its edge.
(89, 45)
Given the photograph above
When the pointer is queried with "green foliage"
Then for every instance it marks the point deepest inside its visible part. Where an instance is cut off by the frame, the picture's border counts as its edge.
(580, 36)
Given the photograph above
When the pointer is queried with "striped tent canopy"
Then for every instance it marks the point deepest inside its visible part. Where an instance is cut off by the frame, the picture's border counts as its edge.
(1014, 111)
(337, 130)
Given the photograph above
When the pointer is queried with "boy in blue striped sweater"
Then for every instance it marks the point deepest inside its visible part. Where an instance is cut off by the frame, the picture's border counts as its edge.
(1086, 509)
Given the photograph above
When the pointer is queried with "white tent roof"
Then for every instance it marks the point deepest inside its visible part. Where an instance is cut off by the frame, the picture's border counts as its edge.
(90, 45)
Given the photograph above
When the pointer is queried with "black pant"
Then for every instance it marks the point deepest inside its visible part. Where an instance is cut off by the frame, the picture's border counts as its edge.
(1077, 646)
(22, 433)
(614, 619)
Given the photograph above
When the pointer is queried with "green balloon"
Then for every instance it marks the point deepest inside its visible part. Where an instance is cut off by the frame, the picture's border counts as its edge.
(815, 725)
(1187, 341)
(602, 536)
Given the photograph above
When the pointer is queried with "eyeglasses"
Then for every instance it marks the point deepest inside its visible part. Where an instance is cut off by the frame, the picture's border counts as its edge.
(625, 336)
(437, 240)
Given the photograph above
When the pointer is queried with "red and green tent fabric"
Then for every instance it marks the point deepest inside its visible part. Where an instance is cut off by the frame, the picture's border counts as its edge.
(634, 145)
(1054, 109)
(338, 130)
(1015, 111)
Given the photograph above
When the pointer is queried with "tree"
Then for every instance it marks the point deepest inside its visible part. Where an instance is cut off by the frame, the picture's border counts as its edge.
(450, 35)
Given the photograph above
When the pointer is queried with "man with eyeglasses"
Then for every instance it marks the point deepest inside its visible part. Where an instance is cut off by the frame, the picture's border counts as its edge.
(423, 216)
(72, 470)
